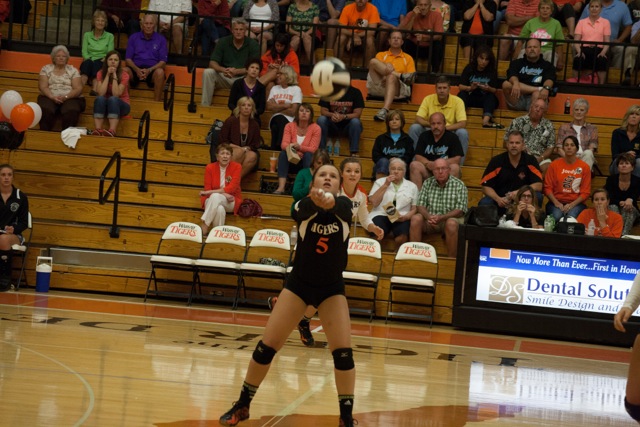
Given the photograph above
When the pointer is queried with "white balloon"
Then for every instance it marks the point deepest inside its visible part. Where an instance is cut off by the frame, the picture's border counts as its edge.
(8, 100)
(37, 113)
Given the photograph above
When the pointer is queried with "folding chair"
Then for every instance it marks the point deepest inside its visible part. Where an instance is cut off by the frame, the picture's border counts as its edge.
(178, 250)
(266, 243)
(362, 272)
(221, 254)
(21, 251)
(417, 261)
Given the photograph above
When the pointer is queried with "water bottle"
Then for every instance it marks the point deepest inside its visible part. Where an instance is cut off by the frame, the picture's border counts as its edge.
(329, 146)
(336, 148)
(591, 228)
(567, 106)
(549, 223)
(293, 237)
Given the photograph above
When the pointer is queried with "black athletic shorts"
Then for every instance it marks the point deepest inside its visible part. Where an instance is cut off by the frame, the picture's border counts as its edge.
(312, 295)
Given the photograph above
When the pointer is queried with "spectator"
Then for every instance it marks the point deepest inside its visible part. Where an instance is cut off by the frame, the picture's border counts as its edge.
(437, 143)
(596, 29)
(280, 54)
(517, 14)
(507, 172)
(451, 106)
(215, 23)
(624, 189)
(617, 13)
(251, 87)
(95, 45)
(303, 17)
(393, 143)
(632, 51)
(15, 219)
(360, 14)
(220, 196)
(567, 183)
(566, 11)
(228, 60)
(123, 16)
(351, 169)
(304, 178)
(626, 139)
(172, 22)
(304, 135)
(586, 133)
(391, 13)
(147, 56)
(608, 223)
(241, 132)
(342, 116)
(421, 45)
(544, 27)
(330, 11)
(478, 20)
(479, 84)
(394, 201)
(442, 203)
(444, 9)
(524, 210)
(284, 99)
(528, 78)
(113, 95)
(258, 13)
(60, 88)
(538, 132)
(390, 75)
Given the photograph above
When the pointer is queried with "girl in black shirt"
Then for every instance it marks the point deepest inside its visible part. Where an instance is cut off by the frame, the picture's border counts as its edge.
(323, 220)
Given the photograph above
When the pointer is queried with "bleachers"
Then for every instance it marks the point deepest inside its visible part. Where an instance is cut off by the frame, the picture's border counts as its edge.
(62, 185)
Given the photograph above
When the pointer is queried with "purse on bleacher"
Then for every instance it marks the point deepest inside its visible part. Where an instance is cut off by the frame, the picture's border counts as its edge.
(482, 216)
(565, 227)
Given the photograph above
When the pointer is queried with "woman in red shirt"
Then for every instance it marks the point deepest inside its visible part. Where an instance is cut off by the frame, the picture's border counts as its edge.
(222, 191)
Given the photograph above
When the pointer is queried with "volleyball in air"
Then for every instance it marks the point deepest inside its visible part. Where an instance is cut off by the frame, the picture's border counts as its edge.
(330, 79)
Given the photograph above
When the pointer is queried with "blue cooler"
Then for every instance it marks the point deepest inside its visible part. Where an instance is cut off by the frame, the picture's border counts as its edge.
(44, 267)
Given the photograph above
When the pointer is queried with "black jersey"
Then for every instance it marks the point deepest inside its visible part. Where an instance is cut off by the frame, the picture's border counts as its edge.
(323, 238)
(15, 212)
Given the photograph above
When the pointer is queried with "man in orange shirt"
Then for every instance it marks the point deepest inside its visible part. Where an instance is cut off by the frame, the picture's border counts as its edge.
(422, 18)
(361, 14)
(390, 74)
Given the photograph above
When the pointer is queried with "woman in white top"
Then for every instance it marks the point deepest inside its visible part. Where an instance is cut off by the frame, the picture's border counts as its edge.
(394, 201)
(351, 170)
(632, 398)
(283, 101)
(257, 12)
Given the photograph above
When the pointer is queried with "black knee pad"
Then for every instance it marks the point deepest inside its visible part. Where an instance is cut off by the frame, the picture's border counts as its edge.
(343, 359)
(263, 354)
(632, 410)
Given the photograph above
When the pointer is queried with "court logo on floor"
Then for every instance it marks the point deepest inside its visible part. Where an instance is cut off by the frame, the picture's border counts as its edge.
(506, 289)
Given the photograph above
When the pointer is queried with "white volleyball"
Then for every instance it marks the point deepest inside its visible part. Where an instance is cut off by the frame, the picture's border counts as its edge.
(330, 79)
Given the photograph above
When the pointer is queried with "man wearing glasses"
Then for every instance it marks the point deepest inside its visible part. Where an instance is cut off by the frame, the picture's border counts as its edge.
(442, 203)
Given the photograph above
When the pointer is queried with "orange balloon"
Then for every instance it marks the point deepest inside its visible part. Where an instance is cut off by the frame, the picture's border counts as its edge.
(21, 117)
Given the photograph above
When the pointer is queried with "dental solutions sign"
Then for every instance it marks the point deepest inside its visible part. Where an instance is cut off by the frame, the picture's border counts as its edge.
(514, 277)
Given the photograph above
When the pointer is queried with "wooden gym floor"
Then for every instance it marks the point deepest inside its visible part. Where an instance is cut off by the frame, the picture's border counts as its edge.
(72, 359)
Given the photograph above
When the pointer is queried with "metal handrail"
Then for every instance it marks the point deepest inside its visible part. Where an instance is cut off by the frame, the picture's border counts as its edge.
(192, 66)
(169, 97)
(143, 143)
(103, 196)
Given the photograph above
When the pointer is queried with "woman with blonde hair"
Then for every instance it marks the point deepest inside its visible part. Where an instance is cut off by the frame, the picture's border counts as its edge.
(626, 139)
(283, 101)
(242, 132)
(95, 45)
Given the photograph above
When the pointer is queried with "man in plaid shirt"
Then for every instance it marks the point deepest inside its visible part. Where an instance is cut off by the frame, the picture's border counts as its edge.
(442, 203)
